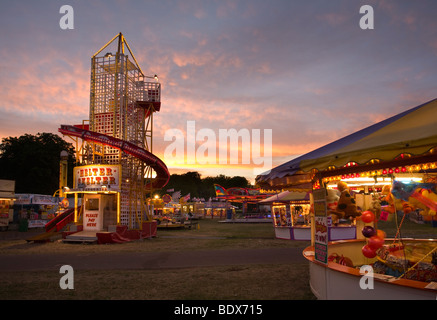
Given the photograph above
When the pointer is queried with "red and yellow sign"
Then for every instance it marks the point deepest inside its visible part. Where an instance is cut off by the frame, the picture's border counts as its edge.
(97, 176)
(166, 198)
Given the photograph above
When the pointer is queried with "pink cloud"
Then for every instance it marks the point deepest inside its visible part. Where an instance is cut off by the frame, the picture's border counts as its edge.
(40, 86)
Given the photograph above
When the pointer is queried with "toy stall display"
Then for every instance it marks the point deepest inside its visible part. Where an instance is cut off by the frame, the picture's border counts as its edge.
(341, 211)
(5, 213)
(410, 260)
(292, 212)
(7, 197)
(380, 176)
(300, 214)
(281, 218)
(36, 209)
(382, 204)
(289, 221)
(409, 263)
(215, 209)
(413, 260)
(289, 213)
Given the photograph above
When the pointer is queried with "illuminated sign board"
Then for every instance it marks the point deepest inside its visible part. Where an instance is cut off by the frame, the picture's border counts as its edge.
(97, 176)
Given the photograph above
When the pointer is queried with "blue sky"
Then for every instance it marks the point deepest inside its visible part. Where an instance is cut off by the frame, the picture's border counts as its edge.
(304, 69)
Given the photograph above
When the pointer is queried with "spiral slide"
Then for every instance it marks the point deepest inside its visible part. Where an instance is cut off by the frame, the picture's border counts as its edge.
(162, 173)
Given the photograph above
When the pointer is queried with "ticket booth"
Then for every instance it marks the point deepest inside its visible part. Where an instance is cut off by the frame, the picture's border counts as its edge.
(100, 212)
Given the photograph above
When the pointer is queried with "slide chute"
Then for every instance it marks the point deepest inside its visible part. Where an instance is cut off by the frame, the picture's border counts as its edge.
(162, 173)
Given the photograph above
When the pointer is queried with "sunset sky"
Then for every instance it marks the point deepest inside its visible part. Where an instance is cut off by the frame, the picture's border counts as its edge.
(304, 69)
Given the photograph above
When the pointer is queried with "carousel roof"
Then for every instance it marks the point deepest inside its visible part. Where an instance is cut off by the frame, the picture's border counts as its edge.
(412, 132)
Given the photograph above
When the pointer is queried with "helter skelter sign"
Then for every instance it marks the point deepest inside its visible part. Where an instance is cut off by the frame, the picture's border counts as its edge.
(94, 177)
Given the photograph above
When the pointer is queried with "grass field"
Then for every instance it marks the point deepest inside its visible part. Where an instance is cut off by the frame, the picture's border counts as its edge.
(230, 282)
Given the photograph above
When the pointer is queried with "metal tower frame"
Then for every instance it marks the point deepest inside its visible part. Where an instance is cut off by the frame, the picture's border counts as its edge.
(122, 104)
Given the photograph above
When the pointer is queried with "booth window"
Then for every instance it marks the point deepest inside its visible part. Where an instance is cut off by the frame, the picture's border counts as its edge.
(92, 204)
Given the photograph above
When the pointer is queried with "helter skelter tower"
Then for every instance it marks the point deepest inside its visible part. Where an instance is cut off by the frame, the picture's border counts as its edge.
(120, 131)
(118, 107)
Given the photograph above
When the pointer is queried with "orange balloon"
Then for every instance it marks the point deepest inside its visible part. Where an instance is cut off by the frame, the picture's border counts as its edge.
(367, 216)
(381, 234)
(375, 242)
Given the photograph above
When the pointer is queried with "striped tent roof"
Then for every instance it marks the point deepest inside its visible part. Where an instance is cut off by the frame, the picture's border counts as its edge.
(412, 132)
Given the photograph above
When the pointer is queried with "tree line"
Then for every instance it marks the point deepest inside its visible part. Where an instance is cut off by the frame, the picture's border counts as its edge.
(33, 162)
(192, 183)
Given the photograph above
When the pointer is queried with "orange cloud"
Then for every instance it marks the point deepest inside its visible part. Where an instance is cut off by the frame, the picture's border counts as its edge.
(46, 88)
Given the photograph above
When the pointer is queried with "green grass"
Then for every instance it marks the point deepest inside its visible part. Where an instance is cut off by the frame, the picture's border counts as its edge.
(211, 235)
(231, 282)
(254, 282)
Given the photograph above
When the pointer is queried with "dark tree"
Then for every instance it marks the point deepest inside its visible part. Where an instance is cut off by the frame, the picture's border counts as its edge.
(191, 182)
(33, 162)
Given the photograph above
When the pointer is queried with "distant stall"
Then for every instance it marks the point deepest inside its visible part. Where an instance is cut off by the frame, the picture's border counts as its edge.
(7, 197)
(291, 218)
(193, 210)
(216, 209)
(36, 209)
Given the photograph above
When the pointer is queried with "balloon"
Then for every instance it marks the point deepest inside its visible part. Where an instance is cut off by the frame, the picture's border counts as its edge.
(375, 242)
(368, 252)
(367, 216)
(368, 231)
(381, 234)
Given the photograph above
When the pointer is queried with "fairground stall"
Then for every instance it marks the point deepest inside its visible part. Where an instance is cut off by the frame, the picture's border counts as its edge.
(290, 212)
(288, 180)
(386, 171)
(165, 210)
(216, 209)
(34, 210)
(7, 197)
(178, 215)
(292, 220)
(247, 199)
(193, 210)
